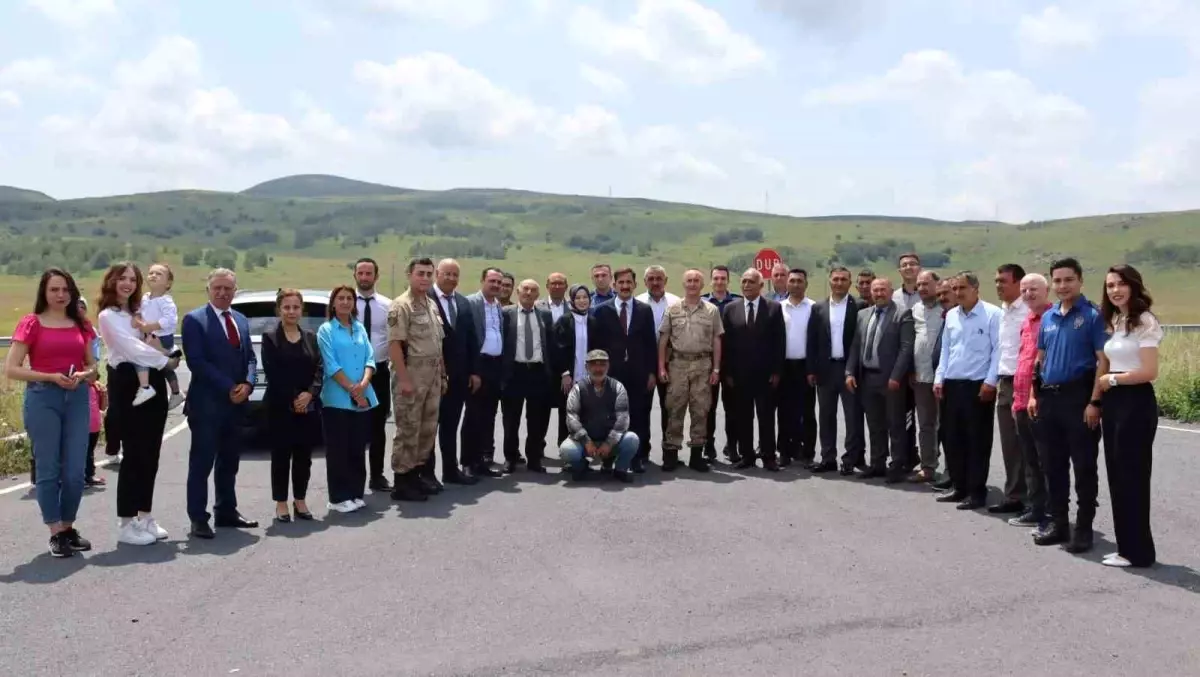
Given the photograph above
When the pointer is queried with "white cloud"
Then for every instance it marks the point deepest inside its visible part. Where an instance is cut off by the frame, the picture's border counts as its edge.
(602, 80)
(683, 38)
(160, 116)
(41, 73)
(1055, 30)
(433, 98)
(75, 14)
(456, 12)
(1167, 159)
(683, 167)
(9, 99)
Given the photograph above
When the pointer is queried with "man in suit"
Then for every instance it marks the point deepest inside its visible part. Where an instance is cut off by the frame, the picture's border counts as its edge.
(556, 297)
(485, 355)
(627, 334)
(221, 359)
(752, 362)
(797, 399)
(456, 320)
(878, 365)
(830, 334)
(527, 380)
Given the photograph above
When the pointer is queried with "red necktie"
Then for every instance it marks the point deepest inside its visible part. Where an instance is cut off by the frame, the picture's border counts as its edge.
(231, 330)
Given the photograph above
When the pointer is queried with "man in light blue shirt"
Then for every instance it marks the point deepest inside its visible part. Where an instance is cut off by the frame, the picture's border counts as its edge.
(483, 393)
(966, 382)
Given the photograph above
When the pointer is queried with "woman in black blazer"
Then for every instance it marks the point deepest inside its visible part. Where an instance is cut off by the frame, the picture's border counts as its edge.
(575, 334)
(294, 370)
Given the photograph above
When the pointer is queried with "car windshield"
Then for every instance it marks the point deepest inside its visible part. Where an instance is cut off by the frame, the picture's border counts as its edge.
(262, 318)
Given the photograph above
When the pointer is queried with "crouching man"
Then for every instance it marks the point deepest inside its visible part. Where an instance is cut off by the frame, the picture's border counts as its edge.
(598, 423)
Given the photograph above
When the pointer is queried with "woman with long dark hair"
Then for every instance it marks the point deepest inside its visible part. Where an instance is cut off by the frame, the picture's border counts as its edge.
(1127, 372)
(575, 334)
(292, 363)
(57, 340)
(139, 429)
(346, 400)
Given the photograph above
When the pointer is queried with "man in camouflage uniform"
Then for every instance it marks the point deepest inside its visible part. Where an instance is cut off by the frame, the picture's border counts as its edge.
(418, 381)
(689, 352)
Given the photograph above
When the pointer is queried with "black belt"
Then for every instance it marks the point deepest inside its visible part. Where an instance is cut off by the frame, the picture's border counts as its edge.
(1078, 383)
(529, 365)
(798, 359)
(489, 357)
(872, 370)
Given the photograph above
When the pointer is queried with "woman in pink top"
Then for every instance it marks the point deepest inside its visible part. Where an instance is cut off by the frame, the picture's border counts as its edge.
(56, 339)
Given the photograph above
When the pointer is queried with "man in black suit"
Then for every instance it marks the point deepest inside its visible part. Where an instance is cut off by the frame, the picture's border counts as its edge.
(627, 335)
(830, 335)
(527, 381)
(752, 361)
(878, 365)
(456, 321)
(486, 376)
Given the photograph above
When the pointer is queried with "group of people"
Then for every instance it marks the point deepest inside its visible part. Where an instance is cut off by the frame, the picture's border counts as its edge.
(924, 368)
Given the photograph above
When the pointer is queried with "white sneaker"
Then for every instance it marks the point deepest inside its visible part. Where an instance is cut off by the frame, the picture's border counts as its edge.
(150, 526)
(144, 395)
(133, 534)
(1115, 560)
(175, 401)
(344, 506)
(359, 503)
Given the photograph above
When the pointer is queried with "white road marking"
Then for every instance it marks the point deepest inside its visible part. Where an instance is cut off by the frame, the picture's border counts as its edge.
(1179, 430)
(101, 463)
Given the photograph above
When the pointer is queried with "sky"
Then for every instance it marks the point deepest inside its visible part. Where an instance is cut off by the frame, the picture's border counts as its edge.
(954, 109)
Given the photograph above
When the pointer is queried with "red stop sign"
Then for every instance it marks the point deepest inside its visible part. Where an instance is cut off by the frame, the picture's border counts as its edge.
(765, 260)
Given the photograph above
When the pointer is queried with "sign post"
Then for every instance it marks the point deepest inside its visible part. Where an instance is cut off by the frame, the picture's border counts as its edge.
(765, 260)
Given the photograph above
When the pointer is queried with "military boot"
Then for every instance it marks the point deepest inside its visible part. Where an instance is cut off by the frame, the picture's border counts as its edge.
(670, 459)
(407, 487)
(698, 461)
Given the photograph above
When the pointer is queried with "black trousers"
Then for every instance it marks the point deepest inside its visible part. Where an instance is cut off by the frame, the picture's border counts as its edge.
(726, 400)
(1032, 454)
(479, 426)
(381, 383)
(641, 403)
(754, 397)
(528, 389)
(112, 433)
(1067, 441)
(346, 438)
(662, 411)
(1129, 425)
(450, 413)
(969, 431)
(290, 455)
(797, 412)
(139, 433)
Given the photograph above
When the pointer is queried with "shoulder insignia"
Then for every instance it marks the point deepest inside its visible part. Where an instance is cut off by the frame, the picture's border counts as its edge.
(393, 317)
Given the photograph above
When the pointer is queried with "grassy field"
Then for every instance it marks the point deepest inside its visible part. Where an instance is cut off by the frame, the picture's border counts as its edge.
(1178, 390)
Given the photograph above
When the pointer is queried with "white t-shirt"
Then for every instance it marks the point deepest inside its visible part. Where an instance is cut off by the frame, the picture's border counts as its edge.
(161, 309)
(1122, 347)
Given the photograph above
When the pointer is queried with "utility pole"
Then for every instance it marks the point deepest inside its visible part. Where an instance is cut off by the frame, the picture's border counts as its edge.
(767, 202)
(392, 292)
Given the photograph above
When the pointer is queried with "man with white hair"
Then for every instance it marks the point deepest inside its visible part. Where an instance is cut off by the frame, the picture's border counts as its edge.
(753, 356)
(1035, 292)
(223, 366)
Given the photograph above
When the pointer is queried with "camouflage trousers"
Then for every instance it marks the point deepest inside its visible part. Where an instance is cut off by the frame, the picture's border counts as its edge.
(416, 414)
(688, 391)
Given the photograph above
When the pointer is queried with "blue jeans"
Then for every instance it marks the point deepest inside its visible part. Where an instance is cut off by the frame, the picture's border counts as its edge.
(573, 454)
(57, 421)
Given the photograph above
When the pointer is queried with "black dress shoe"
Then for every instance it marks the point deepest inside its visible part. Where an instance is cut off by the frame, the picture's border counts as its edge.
(785, 461)
(511, 467)
(951, 497)
(1007, 507)
(379, 483)
(430, 485)
(973, 503)
(945, 485)
(284, 518)
(536, 467)
(486, 470)
(846, 471)
(521, 460)
(1053, 534)
(302, 515)
(235, 522)
(818, 467)
(895, 476)
(623, 476)
(872, 473)
(1081, 541)
(202, 530)
(460, 477)
(638, 466)
(771, 465)
(747, 462)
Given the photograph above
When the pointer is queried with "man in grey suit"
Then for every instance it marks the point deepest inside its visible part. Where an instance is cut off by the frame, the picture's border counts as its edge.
(879, 362)
(486, 377)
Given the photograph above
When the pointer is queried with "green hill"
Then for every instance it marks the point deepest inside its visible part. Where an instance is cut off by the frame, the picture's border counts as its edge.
(321, 185)
(304, 230)
(11, 194)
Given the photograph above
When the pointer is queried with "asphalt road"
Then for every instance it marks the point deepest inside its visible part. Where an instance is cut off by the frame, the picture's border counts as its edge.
(730, 573)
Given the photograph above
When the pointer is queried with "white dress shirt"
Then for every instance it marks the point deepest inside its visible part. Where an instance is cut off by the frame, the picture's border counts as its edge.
(445, 300)
(795, 322)
(536, 326)
(837, 327)
(659, 307)
(1010, 335)
(581, 344)
(124, 343)
(556, 309)
(618, 303)
(221, 321)
(752, 304)
(380, 305)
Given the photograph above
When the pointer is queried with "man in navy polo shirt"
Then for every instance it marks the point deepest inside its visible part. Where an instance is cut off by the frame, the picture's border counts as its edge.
(1065, 406)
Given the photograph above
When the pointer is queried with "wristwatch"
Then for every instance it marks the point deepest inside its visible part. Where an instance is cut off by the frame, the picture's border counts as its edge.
(1112, 381)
